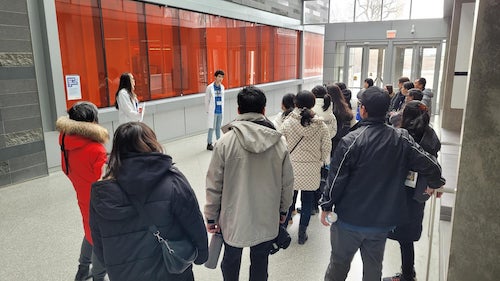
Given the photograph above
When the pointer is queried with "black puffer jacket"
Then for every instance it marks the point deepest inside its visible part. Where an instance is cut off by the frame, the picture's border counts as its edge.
(122, 240)
(367, 174)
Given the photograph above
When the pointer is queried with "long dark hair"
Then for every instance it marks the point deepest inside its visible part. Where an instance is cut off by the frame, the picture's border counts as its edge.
(288, 103)
(320, 92)
(130, 137)
(346, 92)
(125, 83)
(304, 101)
(416, 118)
(340, 108)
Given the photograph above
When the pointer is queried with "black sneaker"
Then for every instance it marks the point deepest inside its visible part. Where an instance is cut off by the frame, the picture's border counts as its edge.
(398, 277)
(210, 146)
(83, 273)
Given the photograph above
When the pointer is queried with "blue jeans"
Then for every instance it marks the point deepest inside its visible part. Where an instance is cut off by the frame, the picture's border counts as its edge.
(345, 243)
(216, 126)
(259, 258)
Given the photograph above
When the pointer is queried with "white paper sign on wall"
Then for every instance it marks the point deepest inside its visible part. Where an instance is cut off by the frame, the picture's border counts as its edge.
(73, 87)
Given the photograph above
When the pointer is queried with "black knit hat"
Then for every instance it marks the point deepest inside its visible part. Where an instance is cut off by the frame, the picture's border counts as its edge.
(376, 101)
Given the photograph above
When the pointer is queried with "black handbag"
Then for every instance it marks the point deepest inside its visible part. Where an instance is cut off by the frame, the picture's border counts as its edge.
(177, 255)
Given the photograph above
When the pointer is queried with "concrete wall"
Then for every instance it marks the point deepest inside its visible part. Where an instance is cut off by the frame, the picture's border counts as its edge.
(475, 247)
(22, 150)
(458, 51)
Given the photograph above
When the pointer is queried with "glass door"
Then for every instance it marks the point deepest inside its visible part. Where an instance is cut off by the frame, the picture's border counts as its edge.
(354, 63)
(403, 56)
(364, 62)
(376, 61)
(426, 64)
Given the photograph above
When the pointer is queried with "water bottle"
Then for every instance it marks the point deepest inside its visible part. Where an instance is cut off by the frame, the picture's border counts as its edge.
(214, 250)
(331, 218)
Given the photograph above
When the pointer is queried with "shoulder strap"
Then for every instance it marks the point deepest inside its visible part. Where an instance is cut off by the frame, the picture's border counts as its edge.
(65, 154)
(296, 145)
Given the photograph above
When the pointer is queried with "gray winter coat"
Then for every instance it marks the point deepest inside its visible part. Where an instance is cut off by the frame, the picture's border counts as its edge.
(249, 182)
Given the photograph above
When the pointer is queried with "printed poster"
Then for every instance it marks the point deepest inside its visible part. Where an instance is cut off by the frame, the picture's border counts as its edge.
(73, 87)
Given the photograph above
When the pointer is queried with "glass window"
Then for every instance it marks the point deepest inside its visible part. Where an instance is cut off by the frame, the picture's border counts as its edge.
(252, 39)
(170, 52)
(266, 54)
(368, 10)
(396, 10)
(286, 50)
(163, 51)
(193, 52)
(342, 11)
(313, 54)
(83, 57)
(236, 55)
(216, 40)
(426, 9)
(316, 11)
(125, 45)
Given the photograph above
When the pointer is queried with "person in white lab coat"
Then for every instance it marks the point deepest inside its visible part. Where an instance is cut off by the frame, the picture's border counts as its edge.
(214, 106)
(126, 100)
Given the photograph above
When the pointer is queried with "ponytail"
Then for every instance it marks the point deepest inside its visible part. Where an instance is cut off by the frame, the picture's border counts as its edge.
(305, 100)
(327, 100)
(307, 116)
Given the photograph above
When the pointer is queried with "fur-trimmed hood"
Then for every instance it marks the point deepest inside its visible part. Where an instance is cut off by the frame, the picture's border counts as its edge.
(92, 131)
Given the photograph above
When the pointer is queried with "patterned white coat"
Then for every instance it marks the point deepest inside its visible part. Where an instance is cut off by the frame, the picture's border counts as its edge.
(311, 153)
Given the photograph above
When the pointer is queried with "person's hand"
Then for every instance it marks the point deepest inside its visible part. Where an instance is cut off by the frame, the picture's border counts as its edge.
(429, 191)
(139, 109)
(324, 214)
(282, 219)
(213, 228)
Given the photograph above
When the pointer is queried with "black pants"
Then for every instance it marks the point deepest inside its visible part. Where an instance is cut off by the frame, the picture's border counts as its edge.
(88, 257)
(259, 257)
(407, 259)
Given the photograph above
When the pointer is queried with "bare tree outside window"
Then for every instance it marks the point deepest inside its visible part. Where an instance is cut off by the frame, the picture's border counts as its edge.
(377, 10)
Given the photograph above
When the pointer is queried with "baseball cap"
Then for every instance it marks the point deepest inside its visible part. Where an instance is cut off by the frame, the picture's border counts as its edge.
(376, 101)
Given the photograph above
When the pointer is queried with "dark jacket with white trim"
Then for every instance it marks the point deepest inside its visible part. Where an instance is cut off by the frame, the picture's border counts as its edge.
(368, 171)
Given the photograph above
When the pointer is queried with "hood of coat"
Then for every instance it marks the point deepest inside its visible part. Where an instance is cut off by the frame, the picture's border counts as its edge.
(427, 92)
(139, 174)
(80, 133)
(252, 136)
(430, 141)
(316, 123)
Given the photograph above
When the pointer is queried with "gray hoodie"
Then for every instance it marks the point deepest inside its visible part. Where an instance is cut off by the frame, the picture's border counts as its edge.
(249, 182)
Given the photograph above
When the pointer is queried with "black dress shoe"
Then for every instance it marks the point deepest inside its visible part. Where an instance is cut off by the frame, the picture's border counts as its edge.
(83, 273)
(210, 146)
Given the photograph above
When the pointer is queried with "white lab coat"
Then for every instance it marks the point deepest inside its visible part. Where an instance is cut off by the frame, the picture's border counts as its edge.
(127, 109)
(210, 104)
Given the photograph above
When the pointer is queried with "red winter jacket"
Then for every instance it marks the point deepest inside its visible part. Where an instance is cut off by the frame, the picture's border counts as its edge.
(85, 157)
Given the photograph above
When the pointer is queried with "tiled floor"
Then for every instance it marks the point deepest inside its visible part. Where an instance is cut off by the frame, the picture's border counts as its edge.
(41, 232)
